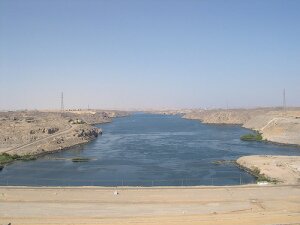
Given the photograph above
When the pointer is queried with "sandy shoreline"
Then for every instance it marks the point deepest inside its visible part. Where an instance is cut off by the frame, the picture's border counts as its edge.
(249, 204)
(275, 124)
(279, 169)
(226, 205)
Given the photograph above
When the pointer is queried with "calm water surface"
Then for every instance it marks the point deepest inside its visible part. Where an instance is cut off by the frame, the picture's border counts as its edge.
(146, 150)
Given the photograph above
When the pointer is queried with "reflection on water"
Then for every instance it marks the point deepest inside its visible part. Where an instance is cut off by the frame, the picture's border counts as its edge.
(147, 150)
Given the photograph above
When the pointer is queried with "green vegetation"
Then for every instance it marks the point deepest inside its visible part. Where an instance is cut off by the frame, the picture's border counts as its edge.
(256, 172)
(7, 158)
(80, 159)
(223, 162)
(252, 137)
(261, 177)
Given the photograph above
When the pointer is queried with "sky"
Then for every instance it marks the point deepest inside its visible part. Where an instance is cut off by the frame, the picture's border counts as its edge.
(126, 54)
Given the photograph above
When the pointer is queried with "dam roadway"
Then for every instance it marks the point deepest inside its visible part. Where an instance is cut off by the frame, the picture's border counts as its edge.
(248, 204)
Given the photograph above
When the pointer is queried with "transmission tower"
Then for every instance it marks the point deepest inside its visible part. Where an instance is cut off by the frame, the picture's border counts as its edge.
(62, 107)
(284, 101)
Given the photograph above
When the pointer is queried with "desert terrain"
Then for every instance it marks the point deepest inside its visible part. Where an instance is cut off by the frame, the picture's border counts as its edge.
(237, 205)
(279, 169)
(37, 132)
(275, 124)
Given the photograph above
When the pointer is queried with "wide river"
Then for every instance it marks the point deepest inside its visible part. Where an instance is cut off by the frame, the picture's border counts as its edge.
(146, 150)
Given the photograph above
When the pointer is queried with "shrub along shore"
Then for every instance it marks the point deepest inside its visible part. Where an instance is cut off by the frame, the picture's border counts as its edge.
(252, 137)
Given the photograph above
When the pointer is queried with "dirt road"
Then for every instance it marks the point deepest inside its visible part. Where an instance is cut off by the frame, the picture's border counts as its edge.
(198, 205)
(68, 129)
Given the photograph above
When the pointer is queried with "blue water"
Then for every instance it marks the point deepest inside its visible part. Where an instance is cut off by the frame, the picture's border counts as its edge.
(146, 150)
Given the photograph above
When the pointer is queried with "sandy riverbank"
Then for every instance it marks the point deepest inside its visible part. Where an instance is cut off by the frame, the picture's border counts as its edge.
(275, 124)
(192, 205)
(282, 169)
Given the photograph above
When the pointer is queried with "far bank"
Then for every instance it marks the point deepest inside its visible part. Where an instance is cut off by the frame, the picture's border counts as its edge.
(34, 133)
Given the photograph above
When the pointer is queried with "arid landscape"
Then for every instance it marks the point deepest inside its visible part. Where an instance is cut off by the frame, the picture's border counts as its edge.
(39, 132)
(31, 133)
(128, 112)
(275, 124)
(248, 205)
(281, 126)
(278, 169)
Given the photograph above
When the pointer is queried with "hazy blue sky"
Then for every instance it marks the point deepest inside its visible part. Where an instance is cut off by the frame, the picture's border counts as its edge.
(155, 53)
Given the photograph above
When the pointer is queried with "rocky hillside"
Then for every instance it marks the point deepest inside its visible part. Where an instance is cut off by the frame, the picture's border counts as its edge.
(94, 116)
(34, 132)
(274, 124)
(222, 116)
(278, 126)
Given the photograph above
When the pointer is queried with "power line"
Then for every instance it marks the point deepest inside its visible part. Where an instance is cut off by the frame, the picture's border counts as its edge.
(62, 107)
(284, 100)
